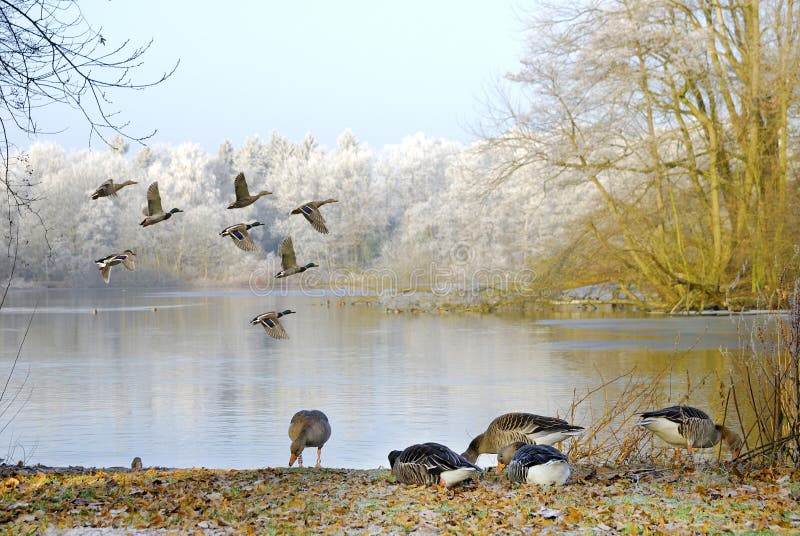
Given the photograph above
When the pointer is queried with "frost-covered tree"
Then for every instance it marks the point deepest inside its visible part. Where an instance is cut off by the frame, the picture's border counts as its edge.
(681, 117)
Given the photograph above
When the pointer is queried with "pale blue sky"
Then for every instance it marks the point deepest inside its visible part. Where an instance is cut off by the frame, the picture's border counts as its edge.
(385, 70)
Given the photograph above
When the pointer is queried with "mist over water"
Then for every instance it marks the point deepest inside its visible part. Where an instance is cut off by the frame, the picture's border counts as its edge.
(182, 379)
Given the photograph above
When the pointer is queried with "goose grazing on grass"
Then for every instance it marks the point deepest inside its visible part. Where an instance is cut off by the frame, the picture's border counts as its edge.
(289, 261)
(109, 189)
(238, 233)
(430, 464)
(309, 428)
(520, 427)
(125, 258)
(243, 197)
(685, 426)
(533, 464)
(310, 211)
(153, 213)
(271, 324)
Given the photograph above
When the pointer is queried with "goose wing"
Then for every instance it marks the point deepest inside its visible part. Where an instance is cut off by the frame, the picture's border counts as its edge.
(314, 217)
(677, 414)
(240, 185)
(435, 457)
(445, 459)
(153, 201)
(286, 252)
(530, 455)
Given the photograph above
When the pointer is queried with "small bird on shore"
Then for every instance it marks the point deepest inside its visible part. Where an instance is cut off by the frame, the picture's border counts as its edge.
(308, 428)
(523, 427)
(310, 211)
(243, 197)
(533, 464)
(136, 464)
(685, 426)
(109, 189)
(153, 213)
(289, 261)
(271, 324)
(241, 238)
(428, 464)
(125, 258)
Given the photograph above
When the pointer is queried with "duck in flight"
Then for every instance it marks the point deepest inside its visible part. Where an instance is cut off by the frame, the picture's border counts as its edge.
(269, 321)
(125, 259)
(243, 197)
(241, 238)
(310, 211)
(289, 261)
(109, 189)
(153, 213)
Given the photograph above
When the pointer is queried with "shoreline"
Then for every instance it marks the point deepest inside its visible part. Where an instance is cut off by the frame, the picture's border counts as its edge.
(72, 500)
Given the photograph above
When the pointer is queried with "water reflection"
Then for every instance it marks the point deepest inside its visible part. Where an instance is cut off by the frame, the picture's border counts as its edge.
(182, 379)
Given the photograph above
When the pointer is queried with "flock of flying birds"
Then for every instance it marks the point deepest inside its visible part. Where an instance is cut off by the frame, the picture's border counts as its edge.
(154, 213)
(522, 441)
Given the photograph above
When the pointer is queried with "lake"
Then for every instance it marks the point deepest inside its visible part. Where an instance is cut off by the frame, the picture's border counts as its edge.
(182, 379)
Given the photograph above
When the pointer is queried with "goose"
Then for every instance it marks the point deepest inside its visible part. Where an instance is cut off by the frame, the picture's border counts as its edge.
(681, 426)
(309, 428)
(125, 258)
(431, 464)
(109, 189)
(243, 197)
(238, 233)
(310, 211)
(533, 464)
(271, 324)
(289, 261)
(153, 213)
(523, 427)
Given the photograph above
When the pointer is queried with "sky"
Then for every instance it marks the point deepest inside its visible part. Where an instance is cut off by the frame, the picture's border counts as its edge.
(384, 70)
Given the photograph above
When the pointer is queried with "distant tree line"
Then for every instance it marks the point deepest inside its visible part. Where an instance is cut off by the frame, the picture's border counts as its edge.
(416, 212)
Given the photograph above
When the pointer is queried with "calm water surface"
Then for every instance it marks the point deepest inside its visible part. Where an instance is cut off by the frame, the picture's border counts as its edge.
(181, 378)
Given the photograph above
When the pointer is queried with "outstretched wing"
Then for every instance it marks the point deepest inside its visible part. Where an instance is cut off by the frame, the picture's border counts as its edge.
(153, 200)
(240, 185)
(274, 328)
(286, 252)
(242, 239)
(314, 217)
(127, 262)
(105, 271)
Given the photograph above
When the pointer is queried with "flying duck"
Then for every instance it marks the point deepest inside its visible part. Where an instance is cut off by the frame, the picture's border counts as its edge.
(238, 233)
(271, 325)
(310, 211)
(243, 197)
(125, 258)
(153, 213)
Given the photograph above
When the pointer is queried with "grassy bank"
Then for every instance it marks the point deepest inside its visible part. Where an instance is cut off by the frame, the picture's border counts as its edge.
(334, 501)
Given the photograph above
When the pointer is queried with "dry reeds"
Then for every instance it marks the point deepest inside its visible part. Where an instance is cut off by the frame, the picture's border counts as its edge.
(765, 382)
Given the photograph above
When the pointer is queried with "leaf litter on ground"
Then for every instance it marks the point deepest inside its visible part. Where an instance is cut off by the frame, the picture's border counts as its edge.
(637, 500)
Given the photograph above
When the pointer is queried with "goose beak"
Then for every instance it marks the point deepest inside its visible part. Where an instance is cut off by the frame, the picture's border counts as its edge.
(736, 453)
(499, 469)
(292, 459)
